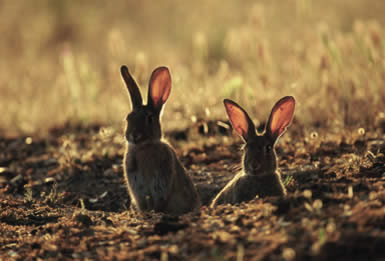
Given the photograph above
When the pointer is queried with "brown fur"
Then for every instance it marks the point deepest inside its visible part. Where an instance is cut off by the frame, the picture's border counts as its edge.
(246, 187)
(260, 175)
(156, 180)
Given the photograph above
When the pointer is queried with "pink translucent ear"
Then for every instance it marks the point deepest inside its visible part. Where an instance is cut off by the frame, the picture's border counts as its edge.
(240, 120)
(280, 117)
(160, 87)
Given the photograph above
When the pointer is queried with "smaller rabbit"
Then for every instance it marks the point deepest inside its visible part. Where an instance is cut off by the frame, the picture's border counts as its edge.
(156, 180)
(260, 175)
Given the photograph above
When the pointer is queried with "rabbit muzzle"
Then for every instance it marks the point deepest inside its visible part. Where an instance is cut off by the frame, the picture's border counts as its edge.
(135, 137)
(254, 166)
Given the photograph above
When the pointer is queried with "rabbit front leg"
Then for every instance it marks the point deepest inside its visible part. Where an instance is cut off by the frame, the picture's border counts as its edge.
(157, 175)
(130, 174)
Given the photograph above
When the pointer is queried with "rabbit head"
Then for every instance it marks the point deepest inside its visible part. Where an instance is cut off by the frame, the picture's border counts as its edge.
(259, 156)
(143, 123)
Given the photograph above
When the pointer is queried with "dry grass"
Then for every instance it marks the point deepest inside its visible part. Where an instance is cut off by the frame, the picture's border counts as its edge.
(62, 193)
(60, 60)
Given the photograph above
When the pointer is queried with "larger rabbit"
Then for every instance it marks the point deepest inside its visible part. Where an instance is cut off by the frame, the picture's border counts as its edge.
(260, 175)
(155, 178)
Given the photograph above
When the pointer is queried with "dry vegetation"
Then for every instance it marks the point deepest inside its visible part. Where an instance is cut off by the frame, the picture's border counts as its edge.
(63, 101)
(61, 61)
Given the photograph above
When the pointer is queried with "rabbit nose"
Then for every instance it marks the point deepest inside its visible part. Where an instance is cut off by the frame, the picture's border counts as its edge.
(256, 166)
(135, 137)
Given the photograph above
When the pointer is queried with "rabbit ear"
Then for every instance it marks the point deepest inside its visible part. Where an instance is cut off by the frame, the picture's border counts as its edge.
(136, 97)
(280, 117)
(159, 89)
(240, 120)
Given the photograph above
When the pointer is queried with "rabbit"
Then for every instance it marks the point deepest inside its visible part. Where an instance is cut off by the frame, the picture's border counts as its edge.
(259, 175)
(155, 178)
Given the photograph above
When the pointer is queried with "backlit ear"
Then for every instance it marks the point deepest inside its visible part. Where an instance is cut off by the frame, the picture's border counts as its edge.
(240, 120)
(159, 89)
(133, 89)
(280, 117)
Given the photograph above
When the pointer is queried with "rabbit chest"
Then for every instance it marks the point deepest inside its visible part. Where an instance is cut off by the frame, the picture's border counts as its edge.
(249, 186)
(148, 174)
(246, 187)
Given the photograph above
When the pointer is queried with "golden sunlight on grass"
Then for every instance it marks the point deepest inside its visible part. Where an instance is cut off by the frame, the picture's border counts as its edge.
(60, 60)
(66, 163)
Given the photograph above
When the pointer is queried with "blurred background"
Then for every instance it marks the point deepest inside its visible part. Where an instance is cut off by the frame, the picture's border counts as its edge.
(60, 60)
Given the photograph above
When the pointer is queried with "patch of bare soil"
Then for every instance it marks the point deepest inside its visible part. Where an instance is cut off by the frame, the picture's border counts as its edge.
(63, 197)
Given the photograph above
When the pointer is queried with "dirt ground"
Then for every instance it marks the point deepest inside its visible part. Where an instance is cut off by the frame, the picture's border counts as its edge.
(62, 196)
